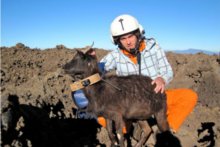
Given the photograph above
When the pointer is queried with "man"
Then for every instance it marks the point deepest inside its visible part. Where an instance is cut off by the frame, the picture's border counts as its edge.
(138, 55)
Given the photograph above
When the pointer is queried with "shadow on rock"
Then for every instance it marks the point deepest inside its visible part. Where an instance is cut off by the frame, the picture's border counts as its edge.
(206, 134)
(25, 125)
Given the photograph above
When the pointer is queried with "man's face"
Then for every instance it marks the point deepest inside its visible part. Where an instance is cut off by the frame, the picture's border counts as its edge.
(128, 41)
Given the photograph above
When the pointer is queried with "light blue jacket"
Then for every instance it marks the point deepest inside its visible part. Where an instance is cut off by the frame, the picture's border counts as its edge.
(153, 62)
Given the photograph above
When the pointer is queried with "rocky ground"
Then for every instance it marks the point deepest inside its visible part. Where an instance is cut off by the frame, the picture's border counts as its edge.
(37, 109)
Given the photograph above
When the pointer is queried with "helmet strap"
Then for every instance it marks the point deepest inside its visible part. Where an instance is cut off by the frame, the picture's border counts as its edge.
(135, 51)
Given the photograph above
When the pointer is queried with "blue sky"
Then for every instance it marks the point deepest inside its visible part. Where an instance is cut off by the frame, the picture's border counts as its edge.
(175, 24)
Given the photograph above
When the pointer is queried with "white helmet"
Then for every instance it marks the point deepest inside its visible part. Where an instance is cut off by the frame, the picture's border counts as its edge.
(124, 24)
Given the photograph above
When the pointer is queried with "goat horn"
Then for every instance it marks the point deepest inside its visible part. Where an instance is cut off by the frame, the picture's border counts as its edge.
(87, 48)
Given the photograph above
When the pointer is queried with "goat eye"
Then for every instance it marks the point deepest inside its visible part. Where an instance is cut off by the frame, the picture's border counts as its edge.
(78, 77)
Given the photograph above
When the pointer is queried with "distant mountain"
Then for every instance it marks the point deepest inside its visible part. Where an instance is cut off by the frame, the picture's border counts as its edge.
(193, 51)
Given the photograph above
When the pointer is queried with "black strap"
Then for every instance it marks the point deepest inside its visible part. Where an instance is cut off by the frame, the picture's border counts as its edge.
(139, 62)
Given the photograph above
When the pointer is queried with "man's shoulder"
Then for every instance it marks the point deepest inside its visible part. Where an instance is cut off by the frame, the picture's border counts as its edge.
(151, 44)
(112, 53)
(151, 40)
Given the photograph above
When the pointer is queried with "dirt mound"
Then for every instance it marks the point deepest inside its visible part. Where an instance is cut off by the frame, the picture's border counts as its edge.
(44, 113)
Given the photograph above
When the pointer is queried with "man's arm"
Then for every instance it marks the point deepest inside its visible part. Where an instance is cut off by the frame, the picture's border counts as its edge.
(164, 67)
(109, 62)
(165, 71)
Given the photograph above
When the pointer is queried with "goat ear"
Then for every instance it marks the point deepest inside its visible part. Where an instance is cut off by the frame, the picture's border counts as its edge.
(83, 55)
(91, 53)
(80, 53)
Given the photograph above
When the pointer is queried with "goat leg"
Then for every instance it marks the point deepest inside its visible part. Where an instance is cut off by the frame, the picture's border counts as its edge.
(119, 124)
(161, 119)
(128, 125)
(146, 131)
(109, 124)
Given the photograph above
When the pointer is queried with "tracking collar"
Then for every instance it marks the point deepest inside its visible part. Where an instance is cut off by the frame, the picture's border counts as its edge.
(85, 82)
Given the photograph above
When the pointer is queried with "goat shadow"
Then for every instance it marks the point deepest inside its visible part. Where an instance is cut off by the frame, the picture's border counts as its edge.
(39, 130)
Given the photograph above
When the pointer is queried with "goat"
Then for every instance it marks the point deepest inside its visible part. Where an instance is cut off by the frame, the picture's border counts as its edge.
(136, 99)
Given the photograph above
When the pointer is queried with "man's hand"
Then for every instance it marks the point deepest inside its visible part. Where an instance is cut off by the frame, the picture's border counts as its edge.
(160, 84)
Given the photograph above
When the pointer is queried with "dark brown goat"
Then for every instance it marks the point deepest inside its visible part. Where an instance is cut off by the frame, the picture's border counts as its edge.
(136, 99)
